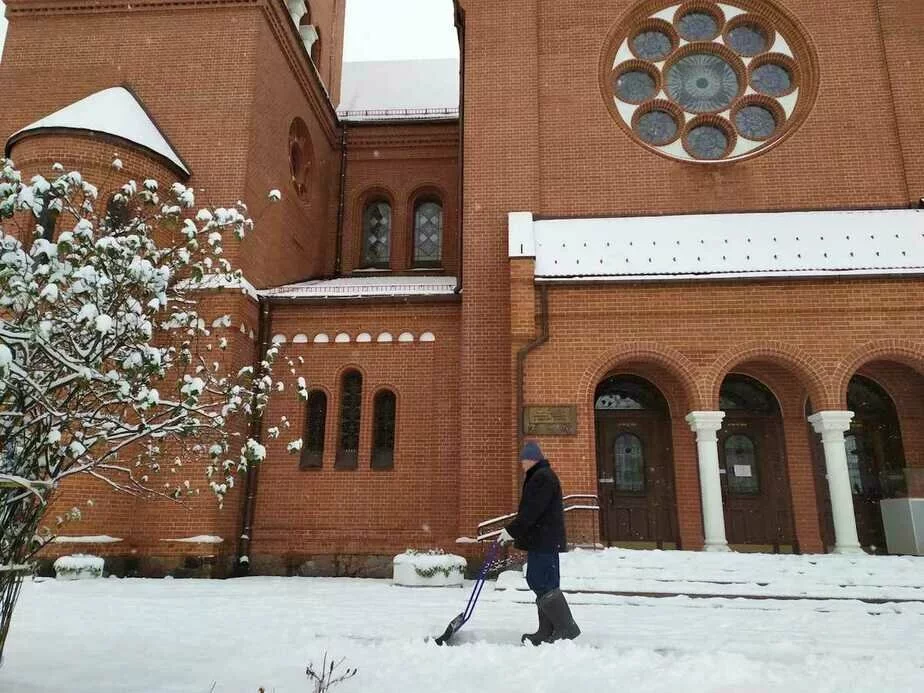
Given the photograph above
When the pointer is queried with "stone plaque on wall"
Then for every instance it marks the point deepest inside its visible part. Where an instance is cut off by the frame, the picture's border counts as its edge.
(550, 421)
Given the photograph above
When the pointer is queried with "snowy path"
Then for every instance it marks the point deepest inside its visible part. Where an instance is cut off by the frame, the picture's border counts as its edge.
(181, 636)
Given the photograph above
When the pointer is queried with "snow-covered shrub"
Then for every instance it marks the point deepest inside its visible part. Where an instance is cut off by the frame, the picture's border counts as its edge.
(430, 568)
(78, 566)
(107, 358)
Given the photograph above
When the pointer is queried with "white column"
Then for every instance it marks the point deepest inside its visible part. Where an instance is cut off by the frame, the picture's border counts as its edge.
(832, 425)
(705, 424)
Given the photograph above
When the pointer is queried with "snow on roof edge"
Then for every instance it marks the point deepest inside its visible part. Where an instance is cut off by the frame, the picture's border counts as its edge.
(114, 111)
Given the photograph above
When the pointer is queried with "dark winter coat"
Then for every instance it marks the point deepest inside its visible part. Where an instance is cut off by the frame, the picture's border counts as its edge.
(540, 521)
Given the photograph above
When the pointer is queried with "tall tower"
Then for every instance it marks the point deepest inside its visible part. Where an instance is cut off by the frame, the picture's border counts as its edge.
(321, 24)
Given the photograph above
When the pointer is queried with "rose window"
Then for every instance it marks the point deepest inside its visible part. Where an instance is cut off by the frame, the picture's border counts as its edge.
(709, 81)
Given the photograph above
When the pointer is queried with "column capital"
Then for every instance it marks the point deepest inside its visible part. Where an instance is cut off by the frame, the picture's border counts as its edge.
(705, 421)
(831, 421)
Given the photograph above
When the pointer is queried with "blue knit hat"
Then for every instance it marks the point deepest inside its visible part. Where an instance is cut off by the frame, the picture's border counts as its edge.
(532, 451)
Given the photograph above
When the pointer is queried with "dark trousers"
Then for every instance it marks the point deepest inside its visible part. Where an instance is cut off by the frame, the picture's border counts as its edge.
(542, 571)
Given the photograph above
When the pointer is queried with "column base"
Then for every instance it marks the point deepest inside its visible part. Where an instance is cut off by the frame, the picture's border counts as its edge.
(849, 550)
(717, 548)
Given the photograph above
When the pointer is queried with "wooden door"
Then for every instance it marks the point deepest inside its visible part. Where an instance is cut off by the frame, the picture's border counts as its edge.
(755, 487)
(636, 490)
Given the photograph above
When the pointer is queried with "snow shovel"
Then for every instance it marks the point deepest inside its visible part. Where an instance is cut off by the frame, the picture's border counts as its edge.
(460, 620)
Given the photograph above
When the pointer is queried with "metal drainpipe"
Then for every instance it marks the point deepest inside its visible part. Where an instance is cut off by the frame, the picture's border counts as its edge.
(524, 352)
(338, 255)
(460, 24)
(242, 568)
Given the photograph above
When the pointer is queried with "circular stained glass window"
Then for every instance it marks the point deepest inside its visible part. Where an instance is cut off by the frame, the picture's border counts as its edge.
(652, 45)
(707, 142)
(747, 40)
(635, 86)
(771, 79)
(657, 127)
(755, 122)
(684, 88)
(702, 83)
(698, 26)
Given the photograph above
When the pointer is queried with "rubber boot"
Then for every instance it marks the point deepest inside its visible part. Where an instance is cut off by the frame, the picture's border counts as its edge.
(545, 629)
(555, 607)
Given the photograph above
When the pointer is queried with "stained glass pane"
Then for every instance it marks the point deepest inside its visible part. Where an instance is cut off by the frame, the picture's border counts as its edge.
(428, 232)
(635, 86)
(629, 392)
(313, 442)
(629, 464)
(741, 465)
(377, 233)
(772, 79)
(742, 393)
(698, 26)
(707, 142)
(755, 122)
(656, 127)
(747, 39)
(702, 83)
(350, 411)
(853, 464)
(383, 444)
(652, 45)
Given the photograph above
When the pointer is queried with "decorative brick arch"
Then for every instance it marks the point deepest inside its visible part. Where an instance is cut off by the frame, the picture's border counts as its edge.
(902, 351)
(809, 372)
(671, 360)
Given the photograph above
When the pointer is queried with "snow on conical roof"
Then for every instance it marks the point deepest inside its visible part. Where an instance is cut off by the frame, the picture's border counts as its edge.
(114, 111)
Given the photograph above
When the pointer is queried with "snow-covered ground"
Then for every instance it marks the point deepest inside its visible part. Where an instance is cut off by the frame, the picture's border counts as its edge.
(186, 635)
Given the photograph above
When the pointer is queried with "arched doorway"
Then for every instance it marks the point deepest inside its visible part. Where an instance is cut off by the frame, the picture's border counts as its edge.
(875, 463)
(752, 465)
(634, 463)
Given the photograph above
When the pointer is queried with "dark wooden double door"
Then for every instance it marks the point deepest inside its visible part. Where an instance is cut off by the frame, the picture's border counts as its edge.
(755, 485)
(635, 478)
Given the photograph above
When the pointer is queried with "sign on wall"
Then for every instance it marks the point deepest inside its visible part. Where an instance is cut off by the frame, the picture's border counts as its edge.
(550, 421)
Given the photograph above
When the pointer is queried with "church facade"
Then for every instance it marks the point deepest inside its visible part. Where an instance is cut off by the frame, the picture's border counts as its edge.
(677, 243)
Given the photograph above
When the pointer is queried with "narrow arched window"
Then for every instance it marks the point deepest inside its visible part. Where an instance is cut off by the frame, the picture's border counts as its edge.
(315, 424)
(316, 50)
(741, 465)
(383, 430)
(376, 234)
(428, 233)
(351, 395)
(629, 464)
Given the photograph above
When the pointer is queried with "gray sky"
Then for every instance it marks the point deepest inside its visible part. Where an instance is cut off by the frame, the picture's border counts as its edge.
(388, 30)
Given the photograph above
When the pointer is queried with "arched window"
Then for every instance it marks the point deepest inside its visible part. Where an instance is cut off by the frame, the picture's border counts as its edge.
(316, 49)
(629, 459)
(351, 395)
(428, 232)
(383, 430)
(741, 463)
(622, 392)
(376, 234)
(315, 424)
(118, 215)
(743, 393)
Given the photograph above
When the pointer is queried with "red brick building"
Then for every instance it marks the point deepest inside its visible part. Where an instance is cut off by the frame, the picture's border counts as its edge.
(676, 242)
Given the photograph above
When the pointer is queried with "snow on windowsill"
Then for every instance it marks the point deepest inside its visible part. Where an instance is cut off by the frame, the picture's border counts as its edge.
(91, 539)
(199, 539)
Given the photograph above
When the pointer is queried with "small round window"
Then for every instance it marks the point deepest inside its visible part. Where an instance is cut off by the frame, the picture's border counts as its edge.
(707, 81)
(301, 158)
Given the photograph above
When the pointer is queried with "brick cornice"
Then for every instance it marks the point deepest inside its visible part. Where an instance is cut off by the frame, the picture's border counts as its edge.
(273, 10)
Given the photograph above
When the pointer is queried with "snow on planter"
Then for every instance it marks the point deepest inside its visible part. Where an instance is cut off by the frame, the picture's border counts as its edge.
(78, 566)
(432, 568)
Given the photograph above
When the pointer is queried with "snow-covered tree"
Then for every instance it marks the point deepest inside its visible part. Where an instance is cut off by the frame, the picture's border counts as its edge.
(108, 365)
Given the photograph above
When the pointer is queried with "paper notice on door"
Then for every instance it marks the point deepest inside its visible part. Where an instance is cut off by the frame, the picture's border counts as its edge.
(743, 470)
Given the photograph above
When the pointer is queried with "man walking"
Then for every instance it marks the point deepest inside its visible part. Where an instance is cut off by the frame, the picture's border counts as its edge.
(539, 529)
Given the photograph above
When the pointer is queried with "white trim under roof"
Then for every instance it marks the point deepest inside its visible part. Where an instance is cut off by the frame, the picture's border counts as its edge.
(114, 111)
(710, 246)
(366, 287)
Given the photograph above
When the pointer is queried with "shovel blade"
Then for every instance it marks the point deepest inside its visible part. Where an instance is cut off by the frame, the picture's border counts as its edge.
(454, 625)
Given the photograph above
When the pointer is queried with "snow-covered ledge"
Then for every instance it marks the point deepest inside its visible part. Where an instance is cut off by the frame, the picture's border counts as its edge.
(428, 569)
(721, 246)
